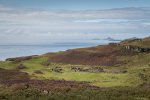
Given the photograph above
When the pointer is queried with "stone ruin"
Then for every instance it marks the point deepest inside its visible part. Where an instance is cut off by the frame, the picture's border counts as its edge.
(57, 69)
(136, 48)
(92, 70)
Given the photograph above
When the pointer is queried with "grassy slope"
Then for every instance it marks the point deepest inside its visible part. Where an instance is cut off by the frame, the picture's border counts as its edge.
(138, 42)
(100, 79)
(136, 66)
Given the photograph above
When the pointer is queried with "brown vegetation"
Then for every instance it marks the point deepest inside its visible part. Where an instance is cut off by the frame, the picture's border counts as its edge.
(17, 79)
(49, 84)
(12, 75)
(19, 59)
(101, 55)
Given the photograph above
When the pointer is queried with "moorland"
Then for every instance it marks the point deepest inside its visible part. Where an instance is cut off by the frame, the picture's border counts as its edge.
(116, 71)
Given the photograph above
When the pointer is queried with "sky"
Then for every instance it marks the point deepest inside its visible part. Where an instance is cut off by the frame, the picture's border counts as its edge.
(50, 21)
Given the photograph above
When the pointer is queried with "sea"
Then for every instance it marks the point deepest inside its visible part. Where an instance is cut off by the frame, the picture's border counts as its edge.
(10, 51)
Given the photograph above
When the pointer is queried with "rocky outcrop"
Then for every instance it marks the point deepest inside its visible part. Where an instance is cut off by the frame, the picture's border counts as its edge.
(136, 48)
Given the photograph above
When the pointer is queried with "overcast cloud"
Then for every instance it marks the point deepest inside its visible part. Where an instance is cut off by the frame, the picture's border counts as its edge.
(41, 26)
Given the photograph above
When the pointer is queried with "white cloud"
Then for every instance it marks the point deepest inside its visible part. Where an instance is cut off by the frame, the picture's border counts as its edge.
(30, 26)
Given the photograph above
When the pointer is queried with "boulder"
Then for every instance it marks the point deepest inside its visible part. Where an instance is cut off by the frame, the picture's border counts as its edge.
(21, 66)
(57, 69)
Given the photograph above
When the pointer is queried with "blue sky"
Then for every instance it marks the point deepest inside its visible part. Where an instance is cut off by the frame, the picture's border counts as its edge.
(74, 4)
(47, 21)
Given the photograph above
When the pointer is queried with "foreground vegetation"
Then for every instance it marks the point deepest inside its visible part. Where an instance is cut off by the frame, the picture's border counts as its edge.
(80, 94)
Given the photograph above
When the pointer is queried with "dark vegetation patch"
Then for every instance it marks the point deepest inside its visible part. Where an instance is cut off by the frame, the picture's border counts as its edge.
(19, 59)
(45, 63)
(21, 66)
(49, 85)
(115, 71)
(92, 70)
(97, 70)
(101, 55)
(21, 79)
(38, 72)
(118, 93)
(12, 75)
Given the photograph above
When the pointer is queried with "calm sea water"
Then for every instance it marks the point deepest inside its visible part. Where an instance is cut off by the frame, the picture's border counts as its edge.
(8, 51)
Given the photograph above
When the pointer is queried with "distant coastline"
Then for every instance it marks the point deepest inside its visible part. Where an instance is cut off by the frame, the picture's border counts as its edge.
(9, 51)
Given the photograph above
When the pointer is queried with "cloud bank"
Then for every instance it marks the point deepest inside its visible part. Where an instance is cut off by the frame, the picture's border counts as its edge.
(43, 27)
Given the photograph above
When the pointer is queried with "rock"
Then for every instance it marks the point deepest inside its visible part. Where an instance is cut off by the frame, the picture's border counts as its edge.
(136, 48)
(45, 92)
(21, 66)
(57, 69)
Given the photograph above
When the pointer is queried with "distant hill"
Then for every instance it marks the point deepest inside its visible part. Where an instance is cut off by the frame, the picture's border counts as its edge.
(108, 39)
(111, 39)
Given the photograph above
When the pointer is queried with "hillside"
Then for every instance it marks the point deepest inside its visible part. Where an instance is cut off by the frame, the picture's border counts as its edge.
(144, 43)
(117, 71)
(103, 55)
